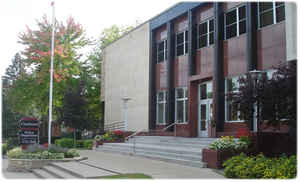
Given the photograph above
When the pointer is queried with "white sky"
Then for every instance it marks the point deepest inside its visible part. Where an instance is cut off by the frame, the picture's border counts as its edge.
(94, 15)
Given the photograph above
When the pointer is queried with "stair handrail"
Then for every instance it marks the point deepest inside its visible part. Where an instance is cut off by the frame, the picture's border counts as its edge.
(138, 132)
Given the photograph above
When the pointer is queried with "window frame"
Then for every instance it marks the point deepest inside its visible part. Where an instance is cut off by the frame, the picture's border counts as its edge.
(237, 22)
(165, 50)
(164, 102)
(274, 14)
(184, 42)
(206, 34)
(185, 101)
(226, 100)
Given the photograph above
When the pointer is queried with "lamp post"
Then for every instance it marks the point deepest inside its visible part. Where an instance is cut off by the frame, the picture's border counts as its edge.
(125, 101)
(255, 75)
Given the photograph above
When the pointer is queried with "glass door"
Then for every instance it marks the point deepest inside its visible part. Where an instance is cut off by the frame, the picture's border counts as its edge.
(205, 108)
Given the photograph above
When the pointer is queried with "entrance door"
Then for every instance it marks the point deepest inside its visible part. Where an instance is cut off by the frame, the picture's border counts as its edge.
(205, 108)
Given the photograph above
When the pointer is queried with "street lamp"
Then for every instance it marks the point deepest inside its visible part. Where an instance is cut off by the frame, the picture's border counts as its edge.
(255, 75)
(125, 101)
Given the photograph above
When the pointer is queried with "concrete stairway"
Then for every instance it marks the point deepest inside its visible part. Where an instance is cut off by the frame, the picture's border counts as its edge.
(70, 170)
(180, 150)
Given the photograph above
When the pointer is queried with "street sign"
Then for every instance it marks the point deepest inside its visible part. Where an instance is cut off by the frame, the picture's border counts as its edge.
(29, 131)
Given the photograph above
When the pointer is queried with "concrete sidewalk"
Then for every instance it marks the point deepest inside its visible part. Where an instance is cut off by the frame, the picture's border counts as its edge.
(119, 163)
(15, 175)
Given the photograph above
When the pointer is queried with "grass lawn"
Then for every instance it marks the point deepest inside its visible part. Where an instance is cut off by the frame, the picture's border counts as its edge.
(127, 176)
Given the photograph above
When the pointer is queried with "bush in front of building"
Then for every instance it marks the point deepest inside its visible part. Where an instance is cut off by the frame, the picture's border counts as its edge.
(65, 143)
(4, 148)
(88, 144)
(256, 167)
(229, 143)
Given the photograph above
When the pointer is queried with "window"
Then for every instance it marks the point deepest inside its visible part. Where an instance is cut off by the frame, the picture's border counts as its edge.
(182, 43)
(161, 107)
(206, 33)
(162, 51)
(181, 105)
(235, 22)
(232, 112)
(270, 13)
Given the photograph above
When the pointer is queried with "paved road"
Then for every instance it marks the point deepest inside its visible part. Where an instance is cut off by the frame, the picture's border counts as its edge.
(157, 169)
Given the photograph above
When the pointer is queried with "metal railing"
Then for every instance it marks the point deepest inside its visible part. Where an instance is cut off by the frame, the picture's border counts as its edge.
(138, 132)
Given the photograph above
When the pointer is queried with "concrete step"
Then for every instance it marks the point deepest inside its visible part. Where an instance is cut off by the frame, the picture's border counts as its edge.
(170, 149)
(81, 170)
(186, 156)
(181, 139)
(61, 174)
(167, 143)
(42, 174)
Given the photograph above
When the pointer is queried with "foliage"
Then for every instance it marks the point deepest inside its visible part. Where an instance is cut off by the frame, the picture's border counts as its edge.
(79, 143)
(245, 167)
(72, 153)
(118, 134)
(35, 148)
(274, 97)
(4, 148)
(12, 142)
(88, 144)
(65, 143)
(228, 143)
(14, 153)
(99, 137)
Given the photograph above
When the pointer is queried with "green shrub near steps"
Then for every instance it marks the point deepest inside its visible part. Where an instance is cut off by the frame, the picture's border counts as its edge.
(88, 144)
(4, 148)
(79, 143)
(256, 167)
(65, 143)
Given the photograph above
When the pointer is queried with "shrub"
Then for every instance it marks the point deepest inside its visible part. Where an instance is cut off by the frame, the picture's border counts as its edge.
(4, 148)
(228, 143)
(243, 132)
(65, 142)
(56, 149)
(260, 167)
(34, 148)
(15, 153)
(79, 143)
(99, 137)
(118, 134)
(72, 153)
(12, 143)
(88, 144)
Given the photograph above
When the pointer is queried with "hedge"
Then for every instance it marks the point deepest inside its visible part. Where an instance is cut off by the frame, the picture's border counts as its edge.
(65, 143)
(255, 167)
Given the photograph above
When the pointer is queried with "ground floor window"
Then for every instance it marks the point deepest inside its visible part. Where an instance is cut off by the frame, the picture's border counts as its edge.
(161, 107)
(232, 112)
(181, 105)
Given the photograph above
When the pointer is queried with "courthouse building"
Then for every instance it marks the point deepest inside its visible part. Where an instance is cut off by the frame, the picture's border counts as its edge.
(178, 66)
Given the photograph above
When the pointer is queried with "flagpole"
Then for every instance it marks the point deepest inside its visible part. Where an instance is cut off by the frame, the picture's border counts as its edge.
(51, 75)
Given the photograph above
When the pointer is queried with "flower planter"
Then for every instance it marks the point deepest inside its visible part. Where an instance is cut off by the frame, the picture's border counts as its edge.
(114, 141)
(215, 158)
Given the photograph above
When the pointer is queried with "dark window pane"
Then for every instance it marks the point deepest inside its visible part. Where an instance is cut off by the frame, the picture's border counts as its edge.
(186, 36)
(203, 116)
(202, 41)
(161, 46)
(160, 57)
(179, 112)
(211, 38)
(203, 91)
(231, 17)
(231, 31)
(242, 12)
(186, 105)
(242, 27)
(280, 14)
(202, 28)
(211, 25)
(179, 38)
(160, 111)
(180, 92)
(179, 50)
(265, 6)
(166, 55)
(266, 19)
(166, 108)
(166, 44)
(229, 84)
(186, 47)
(160, 96)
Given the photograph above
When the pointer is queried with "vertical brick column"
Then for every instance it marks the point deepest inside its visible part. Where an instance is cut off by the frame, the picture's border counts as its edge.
(219, 96)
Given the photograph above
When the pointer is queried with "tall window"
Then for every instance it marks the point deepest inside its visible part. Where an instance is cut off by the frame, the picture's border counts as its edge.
(206, 33)
(182, 43)
(232, 112)
(270, 13)
(181, 106)
(161, 107)
(162, 51)
(235, 22)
